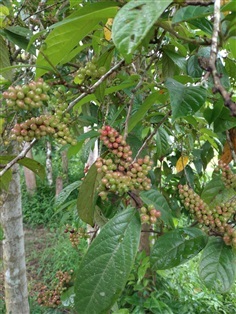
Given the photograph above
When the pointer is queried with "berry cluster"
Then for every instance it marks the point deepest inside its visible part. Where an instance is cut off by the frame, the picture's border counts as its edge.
(228, 177)
(76, 235)
(120, 173)
(28, 96)
(90, 70)
(215, 221)
(37, 127)
(149, 214)
(52, 298)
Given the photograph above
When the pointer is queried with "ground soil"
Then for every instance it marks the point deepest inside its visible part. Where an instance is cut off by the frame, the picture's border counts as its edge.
(36, 241)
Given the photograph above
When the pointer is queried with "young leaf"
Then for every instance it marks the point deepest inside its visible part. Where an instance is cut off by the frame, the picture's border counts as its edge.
(106, 266)
(177, 247)
(217, 267)
(88, 195)
(185, 100)
(157, 199)
(133, 22)
(66, 34)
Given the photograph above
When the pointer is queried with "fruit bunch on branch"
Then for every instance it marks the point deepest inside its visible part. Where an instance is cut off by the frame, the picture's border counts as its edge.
(120, 173)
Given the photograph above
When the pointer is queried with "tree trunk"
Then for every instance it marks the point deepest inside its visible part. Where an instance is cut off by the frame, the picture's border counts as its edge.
(64, 164)
(59, 185)
(30, 179)
(16, 293)
(49, 163)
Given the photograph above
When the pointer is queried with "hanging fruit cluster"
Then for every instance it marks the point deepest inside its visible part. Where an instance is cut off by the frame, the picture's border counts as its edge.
(76, 235)
(28, 96)
(149, 214)
(33, 96)
(52, 298)
(90, 70)
(228, 177)
(217, 221)
(120, 173)
(38, 127)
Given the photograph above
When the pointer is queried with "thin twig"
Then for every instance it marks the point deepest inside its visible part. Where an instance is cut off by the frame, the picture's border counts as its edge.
(91, 89)
(151, 135)
(218, 87)
(17, 158)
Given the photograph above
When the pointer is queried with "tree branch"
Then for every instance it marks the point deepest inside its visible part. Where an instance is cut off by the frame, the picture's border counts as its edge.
(95, 85)
(17, 158)
(218, 87)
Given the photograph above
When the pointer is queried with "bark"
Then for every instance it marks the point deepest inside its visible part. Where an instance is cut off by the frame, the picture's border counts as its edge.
(64, 164)
(30, 179)
(16, 293)
(49, 163)
(59, 185)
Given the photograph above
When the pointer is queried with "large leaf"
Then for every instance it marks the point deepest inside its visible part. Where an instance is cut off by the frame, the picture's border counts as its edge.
(29, 163)
(217, 267)
(185, 100)
(177, 247)
(133, 22)
(68, 33)
(88, 195)
(158, 200)
(212, 189)
(4, 59)
(106, 266)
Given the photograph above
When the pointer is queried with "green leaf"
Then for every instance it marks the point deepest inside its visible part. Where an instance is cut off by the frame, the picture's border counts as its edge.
(131, 24)
(19, 36)
(5, 180)
(139, 115)
(176, 58)
(158, 200)
(29, 163)
(65, 193)
(177, 247)
(190, 13)
(193, 67)
(68, 33)
(185, 100)
(217, 267)
(106, 266)
(162, 143)
(4, 60)
(88, 195)
(168, 66)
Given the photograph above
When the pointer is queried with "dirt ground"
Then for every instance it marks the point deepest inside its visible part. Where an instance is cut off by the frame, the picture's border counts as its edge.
(36, 241)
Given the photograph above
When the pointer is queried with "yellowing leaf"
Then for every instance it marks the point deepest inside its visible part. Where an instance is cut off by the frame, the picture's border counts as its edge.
(182, 163)
(226, 156)
(107, 29)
